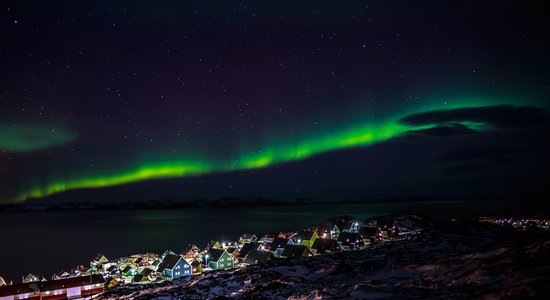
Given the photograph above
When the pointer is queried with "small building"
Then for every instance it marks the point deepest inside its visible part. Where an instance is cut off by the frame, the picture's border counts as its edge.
(218, 259)
(322, 246)
(128, 271)
(306, 238)
(196, 266)
(278, 245)
(213, 245)
(371, 235)
(350, 241)
(388, 227)
(174, 266)
(248, 238)
(292, 251)
(191, 251)
(30, 278)
(61, 275)
(247, 247)
(255, 256)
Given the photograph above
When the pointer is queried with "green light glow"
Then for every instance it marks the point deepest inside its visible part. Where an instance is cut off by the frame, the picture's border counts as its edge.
(26, 138)
(283, 150)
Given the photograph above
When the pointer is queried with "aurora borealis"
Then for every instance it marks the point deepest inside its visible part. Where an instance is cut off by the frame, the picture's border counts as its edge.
(97, 95)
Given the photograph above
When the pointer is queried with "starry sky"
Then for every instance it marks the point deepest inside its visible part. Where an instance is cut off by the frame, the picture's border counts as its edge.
(295, 99)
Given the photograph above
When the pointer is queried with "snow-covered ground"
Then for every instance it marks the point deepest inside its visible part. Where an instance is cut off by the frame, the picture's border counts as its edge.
(460, 259)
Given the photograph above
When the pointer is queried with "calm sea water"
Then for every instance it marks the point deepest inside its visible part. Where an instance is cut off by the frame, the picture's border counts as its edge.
(46, 242)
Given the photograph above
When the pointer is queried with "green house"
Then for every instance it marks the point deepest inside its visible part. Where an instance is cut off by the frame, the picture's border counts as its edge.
(306, 238)
(218, 259)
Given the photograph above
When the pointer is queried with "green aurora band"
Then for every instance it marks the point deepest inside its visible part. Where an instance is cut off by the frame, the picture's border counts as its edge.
(353, 136)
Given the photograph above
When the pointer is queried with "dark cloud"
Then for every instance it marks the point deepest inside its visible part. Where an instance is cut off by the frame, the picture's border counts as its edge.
(503, 116)
(442, 130)
(481, 152)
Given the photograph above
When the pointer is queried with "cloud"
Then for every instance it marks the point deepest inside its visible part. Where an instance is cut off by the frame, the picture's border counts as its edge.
(503, 116)
(443, 130)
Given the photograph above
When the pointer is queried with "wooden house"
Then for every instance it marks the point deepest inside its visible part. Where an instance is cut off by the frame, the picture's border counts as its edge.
(30, 278)
(213, 245)
(322, 246)
(255, 256)
(291, 251)
(191, 251)
(350, 241)
(248, 238)
(247, 247)
(388, 227)
(174, 266)
(218, 259)
(278, 245)
(371, 234)
(196, 266)
(306, 238)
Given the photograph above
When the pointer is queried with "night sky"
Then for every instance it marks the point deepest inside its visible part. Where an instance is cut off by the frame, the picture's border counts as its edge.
(151, 100)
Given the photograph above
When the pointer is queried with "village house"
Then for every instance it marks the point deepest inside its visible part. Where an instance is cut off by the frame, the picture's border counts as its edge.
(213, 245)
(291, 251)
(196, 266)
(190, 252)
(255, 256)
(248, 238)
(388, 227)
(306, 238)
(371, 235)
(329, 231)
(247, 247)
(350, 241)
(322, 246)
(218, 259)
(278, 245)
(174, 266)
(30, 278)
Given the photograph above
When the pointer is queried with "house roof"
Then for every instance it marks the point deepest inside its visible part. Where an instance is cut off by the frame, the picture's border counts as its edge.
(138, 260)
(278, 243)
(138, 278)
(169, 262)
(70, 282)
(246, 248)
(214, 254)
(127, 269)
(18, 288)
(294, 251)
(349, 237)
(255, 256)
(248, 236)
(195, 263)
(146, 272)
(304, 235)
(190, 248)
(322, 245)
(385, 223)
(368, 231)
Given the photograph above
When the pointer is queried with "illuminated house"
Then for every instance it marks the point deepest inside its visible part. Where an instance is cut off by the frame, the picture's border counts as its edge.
(190, 252)
(213, 245)
(75, 287)
(291, 251)
(350, 241)
(174, 266)
(247, 247)
(248, 238)
(306, 238)
(388, 227)
(278, 245)
(322, 246)
(218, 259)
(196, 266)
(255, 256)
(371, 234)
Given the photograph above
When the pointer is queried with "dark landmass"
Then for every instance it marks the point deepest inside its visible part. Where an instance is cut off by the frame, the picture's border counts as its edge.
(448, 259)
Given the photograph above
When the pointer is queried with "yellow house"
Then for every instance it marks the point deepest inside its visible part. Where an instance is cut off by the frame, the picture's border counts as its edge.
(306, 238)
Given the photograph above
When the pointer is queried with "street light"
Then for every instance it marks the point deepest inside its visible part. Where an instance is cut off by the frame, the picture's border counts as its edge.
(206, 257)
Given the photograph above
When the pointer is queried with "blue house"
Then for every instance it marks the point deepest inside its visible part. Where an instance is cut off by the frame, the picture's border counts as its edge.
(174, 266)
